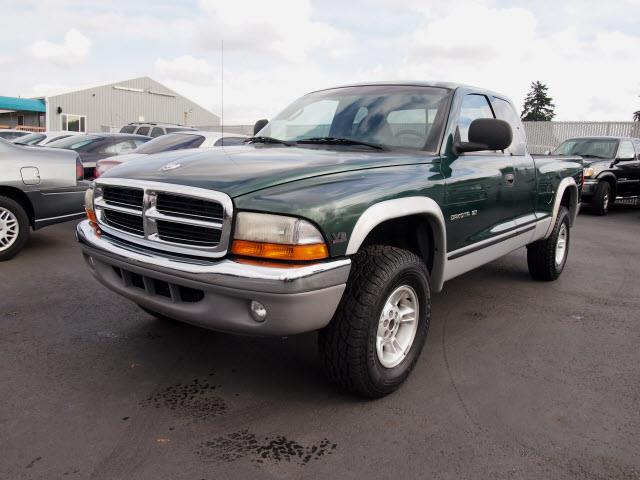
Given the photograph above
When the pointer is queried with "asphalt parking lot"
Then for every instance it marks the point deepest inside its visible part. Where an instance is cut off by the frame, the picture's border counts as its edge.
(518, 379)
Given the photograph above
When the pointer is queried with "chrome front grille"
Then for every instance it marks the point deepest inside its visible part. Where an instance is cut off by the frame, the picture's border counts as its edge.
(162, 216)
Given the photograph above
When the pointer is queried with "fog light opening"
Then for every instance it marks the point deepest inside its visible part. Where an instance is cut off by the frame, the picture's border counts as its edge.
(258, 311)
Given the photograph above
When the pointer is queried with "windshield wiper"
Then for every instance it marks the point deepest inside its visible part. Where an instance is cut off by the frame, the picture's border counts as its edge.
(341, 141)
(268, 140)
(588, 155)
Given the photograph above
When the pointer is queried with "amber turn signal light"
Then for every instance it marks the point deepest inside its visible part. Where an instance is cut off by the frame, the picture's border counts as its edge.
(276, 251)
(91, 215)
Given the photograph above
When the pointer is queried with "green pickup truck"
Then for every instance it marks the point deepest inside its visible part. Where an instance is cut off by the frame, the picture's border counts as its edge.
(344, 214)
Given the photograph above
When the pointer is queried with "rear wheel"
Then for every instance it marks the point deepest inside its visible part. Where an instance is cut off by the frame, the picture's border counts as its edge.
(601, 198)
(379, 329)
(546, 258)
(14, 228)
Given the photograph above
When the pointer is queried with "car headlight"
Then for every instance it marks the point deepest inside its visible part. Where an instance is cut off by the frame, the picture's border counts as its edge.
(277, 237)
(588, 172)
(88, 206)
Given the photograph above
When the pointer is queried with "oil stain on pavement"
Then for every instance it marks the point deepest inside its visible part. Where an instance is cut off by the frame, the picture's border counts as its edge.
(274, 449)
(196, 400)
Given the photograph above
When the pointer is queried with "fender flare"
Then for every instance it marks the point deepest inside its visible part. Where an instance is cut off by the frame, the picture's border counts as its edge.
(404, 207)
(565, 183)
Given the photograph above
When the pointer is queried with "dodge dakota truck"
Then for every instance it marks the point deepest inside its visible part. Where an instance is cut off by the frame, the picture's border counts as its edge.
(344, 214)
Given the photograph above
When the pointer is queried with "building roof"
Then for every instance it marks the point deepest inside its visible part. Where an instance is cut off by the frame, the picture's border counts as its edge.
(22, 104)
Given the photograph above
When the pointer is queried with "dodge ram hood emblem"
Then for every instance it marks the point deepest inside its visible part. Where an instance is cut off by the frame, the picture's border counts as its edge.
(170, 166)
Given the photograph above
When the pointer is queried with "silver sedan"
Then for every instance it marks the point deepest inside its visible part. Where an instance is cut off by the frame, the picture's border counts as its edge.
(39, 186)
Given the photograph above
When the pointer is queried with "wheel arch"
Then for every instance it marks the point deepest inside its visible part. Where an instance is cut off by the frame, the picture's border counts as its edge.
(19, 196)
(611, 179)
(422, 209)
(566, 195)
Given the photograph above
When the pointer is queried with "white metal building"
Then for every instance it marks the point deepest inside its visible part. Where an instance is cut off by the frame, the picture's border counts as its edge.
(108, 107)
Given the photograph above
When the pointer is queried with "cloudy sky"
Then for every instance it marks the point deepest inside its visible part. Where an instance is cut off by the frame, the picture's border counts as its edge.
(586, 51)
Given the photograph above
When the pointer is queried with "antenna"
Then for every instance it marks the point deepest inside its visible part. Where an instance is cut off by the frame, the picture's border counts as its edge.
(222, 90)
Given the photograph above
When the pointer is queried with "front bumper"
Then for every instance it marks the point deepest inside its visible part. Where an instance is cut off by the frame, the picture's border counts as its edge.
(217, 294)
(588, 188)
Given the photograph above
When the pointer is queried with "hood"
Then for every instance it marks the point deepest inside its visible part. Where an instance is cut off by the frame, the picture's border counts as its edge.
(597, 164)
(244, 169)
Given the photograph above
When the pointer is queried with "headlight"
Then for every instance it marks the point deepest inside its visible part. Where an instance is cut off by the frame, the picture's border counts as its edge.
(277, 237)
(588, 172)
(88, 206)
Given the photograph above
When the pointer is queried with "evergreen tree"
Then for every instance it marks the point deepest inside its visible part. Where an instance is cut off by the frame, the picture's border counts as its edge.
(636, 116)
(538, 105)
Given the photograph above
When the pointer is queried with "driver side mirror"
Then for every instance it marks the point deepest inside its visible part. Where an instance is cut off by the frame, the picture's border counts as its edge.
(259, 125)
(486, 134)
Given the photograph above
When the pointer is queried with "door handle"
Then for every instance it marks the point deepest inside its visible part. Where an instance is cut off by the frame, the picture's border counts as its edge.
(509, 178)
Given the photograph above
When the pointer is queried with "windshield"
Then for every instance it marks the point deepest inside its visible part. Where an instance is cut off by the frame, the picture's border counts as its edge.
(74, 142)
(392, 116)
(30, 139)
(588, 147)
(171, 141)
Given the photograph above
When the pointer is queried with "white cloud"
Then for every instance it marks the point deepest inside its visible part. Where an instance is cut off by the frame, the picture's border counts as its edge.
(279, 28)
(74, 49)
(186, 69)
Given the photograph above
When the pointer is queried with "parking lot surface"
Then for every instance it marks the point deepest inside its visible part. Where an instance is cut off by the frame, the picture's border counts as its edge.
(519, 379)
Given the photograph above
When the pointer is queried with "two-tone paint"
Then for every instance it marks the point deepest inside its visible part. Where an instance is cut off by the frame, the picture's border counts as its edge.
(477, 206)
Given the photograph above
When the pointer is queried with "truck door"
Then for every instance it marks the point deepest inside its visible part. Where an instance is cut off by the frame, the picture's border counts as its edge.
(627, 169)
(523, 184)
(479, 193)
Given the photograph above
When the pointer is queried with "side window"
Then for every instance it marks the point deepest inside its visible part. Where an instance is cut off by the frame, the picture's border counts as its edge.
(473, 106)
(504, 111)
(128, 129)
(120, 147)
(625, 150)
(156, 132)
(143, 131)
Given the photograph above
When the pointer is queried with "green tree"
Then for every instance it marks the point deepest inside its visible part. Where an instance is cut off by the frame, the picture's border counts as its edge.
(636, 116)
(538, 105)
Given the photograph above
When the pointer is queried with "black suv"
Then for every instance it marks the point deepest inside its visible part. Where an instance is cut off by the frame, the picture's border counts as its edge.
(611, 168)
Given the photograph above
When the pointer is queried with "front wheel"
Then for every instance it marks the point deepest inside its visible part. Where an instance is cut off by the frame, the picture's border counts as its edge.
(601, 200)
(14, 228)
(546, 258)
(381, 324)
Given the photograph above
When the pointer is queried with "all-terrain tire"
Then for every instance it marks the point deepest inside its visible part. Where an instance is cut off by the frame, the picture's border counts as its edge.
(542, 260)
(601, 200)
(348, 344)
(14, 228)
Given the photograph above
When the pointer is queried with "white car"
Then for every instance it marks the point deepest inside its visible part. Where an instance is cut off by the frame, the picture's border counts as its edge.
(42, 138)
(173, 141)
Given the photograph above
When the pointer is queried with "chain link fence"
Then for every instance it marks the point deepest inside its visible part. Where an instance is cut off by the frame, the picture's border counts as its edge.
(543, 136)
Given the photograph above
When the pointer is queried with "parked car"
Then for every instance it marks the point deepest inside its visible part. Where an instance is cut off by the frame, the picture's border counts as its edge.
(9, 134)
(342, 215)
(173, 141)
(96, 146)
(611, 168)
(38, 187)
(42, 138)
(154, 129)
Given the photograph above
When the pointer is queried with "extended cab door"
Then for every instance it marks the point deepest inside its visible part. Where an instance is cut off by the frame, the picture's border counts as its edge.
(523, 188)
(478, 186)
